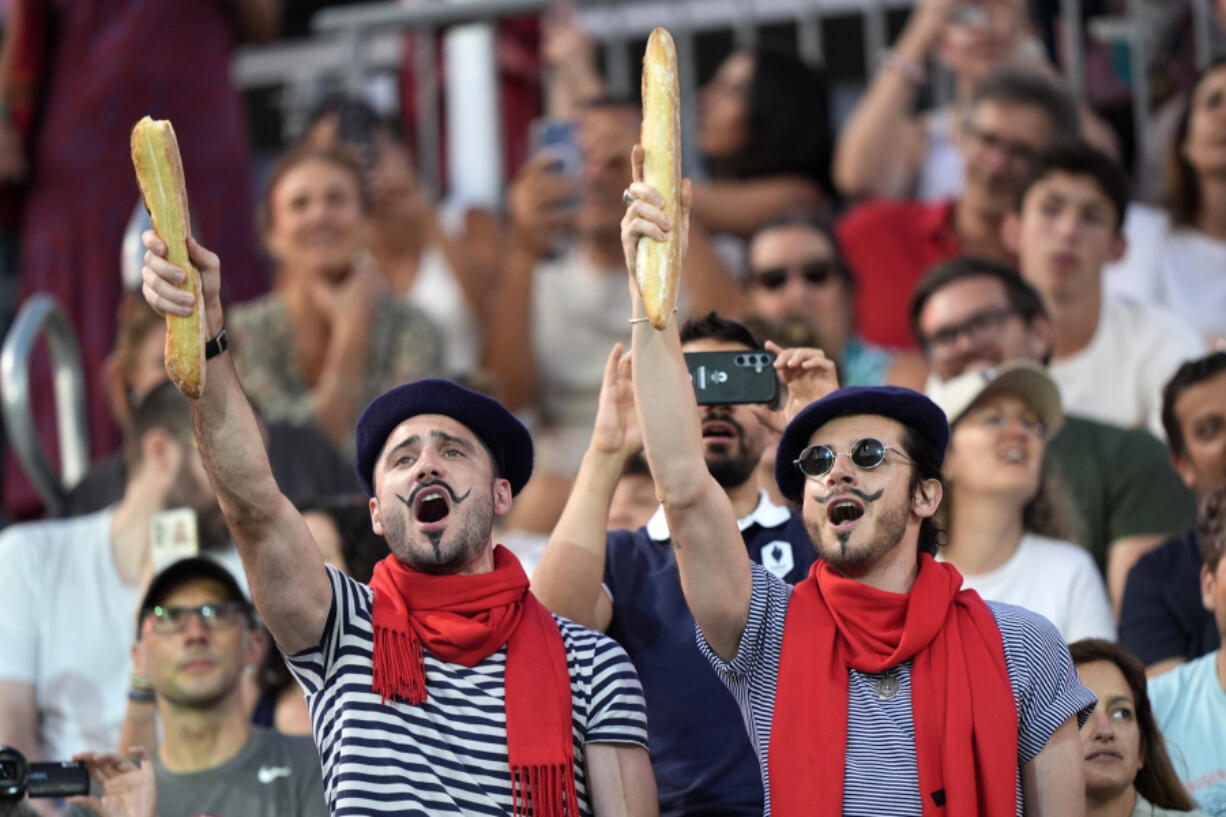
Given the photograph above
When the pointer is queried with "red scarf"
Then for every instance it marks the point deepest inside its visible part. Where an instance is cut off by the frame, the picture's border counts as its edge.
(462, 620)
(965, 732)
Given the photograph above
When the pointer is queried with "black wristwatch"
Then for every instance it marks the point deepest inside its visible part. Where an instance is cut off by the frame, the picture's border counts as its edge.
(217, 345)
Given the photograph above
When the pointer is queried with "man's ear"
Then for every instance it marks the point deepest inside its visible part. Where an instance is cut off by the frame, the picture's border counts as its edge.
(927, 498)
(255, 645)
(1118, 248)
(1038, 338)
(502, 497)
(1011, 231)
(1185, 470)
(376, 519)
(1208, 586)
(160, 452)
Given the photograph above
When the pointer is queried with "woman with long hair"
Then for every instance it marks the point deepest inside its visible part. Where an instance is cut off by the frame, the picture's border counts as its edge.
(1127, 770)
(1004, 529)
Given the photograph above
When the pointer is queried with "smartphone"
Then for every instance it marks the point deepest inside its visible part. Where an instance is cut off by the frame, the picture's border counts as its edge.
(557, 138)
(726, 378)
(173, 536)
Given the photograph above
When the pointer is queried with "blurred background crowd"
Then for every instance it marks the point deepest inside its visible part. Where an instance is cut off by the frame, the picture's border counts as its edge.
(1017, 206)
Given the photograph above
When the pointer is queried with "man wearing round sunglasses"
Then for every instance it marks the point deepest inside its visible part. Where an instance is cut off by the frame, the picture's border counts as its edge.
(875, 686)
(196, 636)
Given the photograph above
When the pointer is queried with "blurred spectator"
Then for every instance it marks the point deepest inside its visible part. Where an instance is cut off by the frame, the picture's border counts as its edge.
(562, 299)
(327, 340)
(1111, 357)
(68, 589)
(1190, 700)
(1011, 118)
(1123, 495)
(1005, 531)
(796, 270)
(1128, 771)
(1176, 256)
(625, 582)
(197, 635)
(306, 464)
(886, 150)
(108, 63)
(1163, 620)
(634, 497)
(414, 252)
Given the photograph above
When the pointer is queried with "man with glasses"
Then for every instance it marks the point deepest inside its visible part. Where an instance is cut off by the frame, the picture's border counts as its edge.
(1122, 493)
(1012, 117)
(796, 272)
(875, 686)
(197, 635)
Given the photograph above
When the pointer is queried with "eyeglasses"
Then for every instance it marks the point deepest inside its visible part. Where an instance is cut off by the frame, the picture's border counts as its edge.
(866, 453)
(815, 272)
(1017, 152)
(977, 327)
(997, 420)
(221, 616)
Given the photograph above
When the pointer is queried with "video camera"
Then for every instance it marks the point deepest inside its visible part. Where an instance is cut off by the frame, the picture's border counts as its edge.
(56, 779)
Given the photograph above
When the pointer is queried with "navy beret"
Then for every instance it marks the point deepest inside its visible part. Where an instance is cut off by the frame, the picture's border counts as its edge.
(505, 436)
(908, 407)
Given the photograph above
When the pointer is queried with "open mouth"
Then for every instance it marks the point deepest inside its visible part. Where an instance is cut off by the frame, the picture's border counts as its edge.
(843, 511)
(431, 506)
(1013, 456)
(718, 431)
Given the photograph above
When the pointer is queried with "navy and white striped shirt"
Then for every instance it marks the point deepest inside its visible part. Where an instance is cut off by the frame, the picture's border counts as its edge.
(448, 755)
(880, 773)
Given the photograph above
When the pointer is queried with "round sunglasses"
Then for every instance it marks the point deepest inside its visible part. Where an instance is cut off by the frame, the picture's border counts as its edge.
(866, 453)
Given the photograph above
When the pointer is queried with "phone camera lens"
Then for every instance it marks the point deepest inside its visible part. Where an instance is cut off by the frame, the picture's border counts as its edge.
(740, 360)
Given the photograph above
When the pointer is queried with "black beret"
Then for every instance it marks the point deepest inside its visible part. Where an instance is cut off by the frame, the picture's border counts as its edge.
(908, 407)
(505, 436)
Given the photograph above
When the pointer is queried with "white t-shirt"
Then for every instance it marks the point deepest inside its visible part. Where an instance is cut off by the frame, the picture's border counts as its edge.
(1179, 268)
(1055, 579)
(1119, 376)
(436, 292)
(67, 621)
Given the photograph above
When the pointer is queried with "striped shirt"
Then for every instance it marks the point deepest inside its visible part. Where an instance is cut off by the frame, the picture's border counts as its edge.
(448, 755)
(880, 773)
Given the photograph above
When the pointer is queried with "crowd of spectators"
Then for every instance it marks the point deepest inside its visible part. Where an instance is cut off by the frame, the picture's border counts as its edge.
(1044, 357)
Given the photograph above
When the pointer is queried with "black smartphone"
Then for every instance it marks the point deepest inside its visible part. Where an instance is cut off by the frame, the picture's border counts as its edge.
(725, 378)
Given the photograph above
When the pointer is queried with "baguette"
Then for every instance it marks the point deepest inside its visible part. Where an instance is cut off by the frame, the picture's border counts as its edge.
(658, 263)
(159, 172)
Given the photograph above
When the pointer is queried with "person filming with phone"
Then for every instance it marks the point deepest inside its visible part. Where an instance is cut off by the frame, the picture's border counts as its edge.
(625, 582)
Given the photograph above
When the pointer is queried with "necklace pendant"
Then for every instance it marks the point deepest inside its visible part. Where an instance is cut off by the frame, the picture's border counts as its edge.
(887, 686)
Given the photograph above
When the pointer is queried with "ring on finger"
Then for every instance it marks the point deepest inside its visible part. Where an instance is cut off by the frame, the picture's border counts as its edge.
(627, 197)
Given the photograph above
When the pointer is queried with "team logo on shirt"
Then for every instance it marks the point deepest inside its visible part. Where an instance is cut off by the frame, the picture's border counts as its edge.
(777, 557)
(267, 774)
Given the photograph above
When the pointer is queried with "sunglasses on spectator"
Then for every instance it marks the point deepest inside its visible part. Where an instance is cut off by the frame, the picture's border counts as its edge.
(866, 454)
(976, 327)
(221, 616)
(815, 272)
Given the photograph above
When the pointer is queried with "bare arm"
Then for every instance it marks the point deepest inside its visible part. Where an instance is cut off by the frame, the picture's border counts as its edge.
(568, 577)
(1052, 782)
(284, 568)
(621, 781)
(571, 56)
(257, 21)
(878, 150)
(714, 566)
(708, 282)
(740, 207)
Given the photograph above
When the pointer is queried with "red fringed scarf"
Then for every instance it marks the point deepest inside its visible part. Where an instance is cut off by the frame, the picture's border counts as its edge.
(462, 620)
(961, 702)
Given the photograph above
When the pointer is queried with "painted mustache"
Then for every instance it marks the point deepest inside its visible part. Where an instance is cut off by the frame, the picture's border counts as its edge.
(873, 497)
(438, 483)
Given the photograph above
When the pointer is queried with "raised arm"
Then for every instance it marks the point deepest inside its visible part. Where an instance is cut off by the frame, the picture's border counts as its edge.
(284, 568)
(568, 578)
(714, 566)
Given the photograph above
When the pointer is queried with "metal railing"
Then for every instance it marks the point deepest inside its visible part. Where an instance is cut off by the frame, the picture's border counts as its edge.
(39, 316)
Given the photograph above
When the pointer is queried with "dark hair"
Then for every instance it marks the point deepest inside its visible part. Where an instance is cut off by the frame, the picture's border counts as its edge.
(636, 466)
(714, 326)
(1186, 376)
(163, 408)
(1211, 528)
(789, 122)
(137, 321)
(811, 221)
(1183, 198)
(1020, 86)
(1022, 297)
(361, 547)
(1156, 781)
(926, 465)
(341, 158)
(1080, 159)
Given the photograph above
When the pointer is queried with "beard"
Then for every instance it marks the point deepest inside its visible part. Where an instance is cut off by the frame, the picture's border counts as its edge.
(446, 551)
(734, 467)
(873, 544)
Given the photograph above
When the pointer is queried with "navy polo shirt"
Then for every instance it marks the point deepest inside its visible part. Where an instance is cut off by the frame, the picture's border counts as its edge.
(703, 761)
(1162, 615)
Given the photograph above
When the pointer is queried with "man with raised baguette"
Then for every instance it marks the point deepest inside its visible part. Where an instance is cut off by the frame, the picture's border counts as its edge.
(443, 687)
(876, 685)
